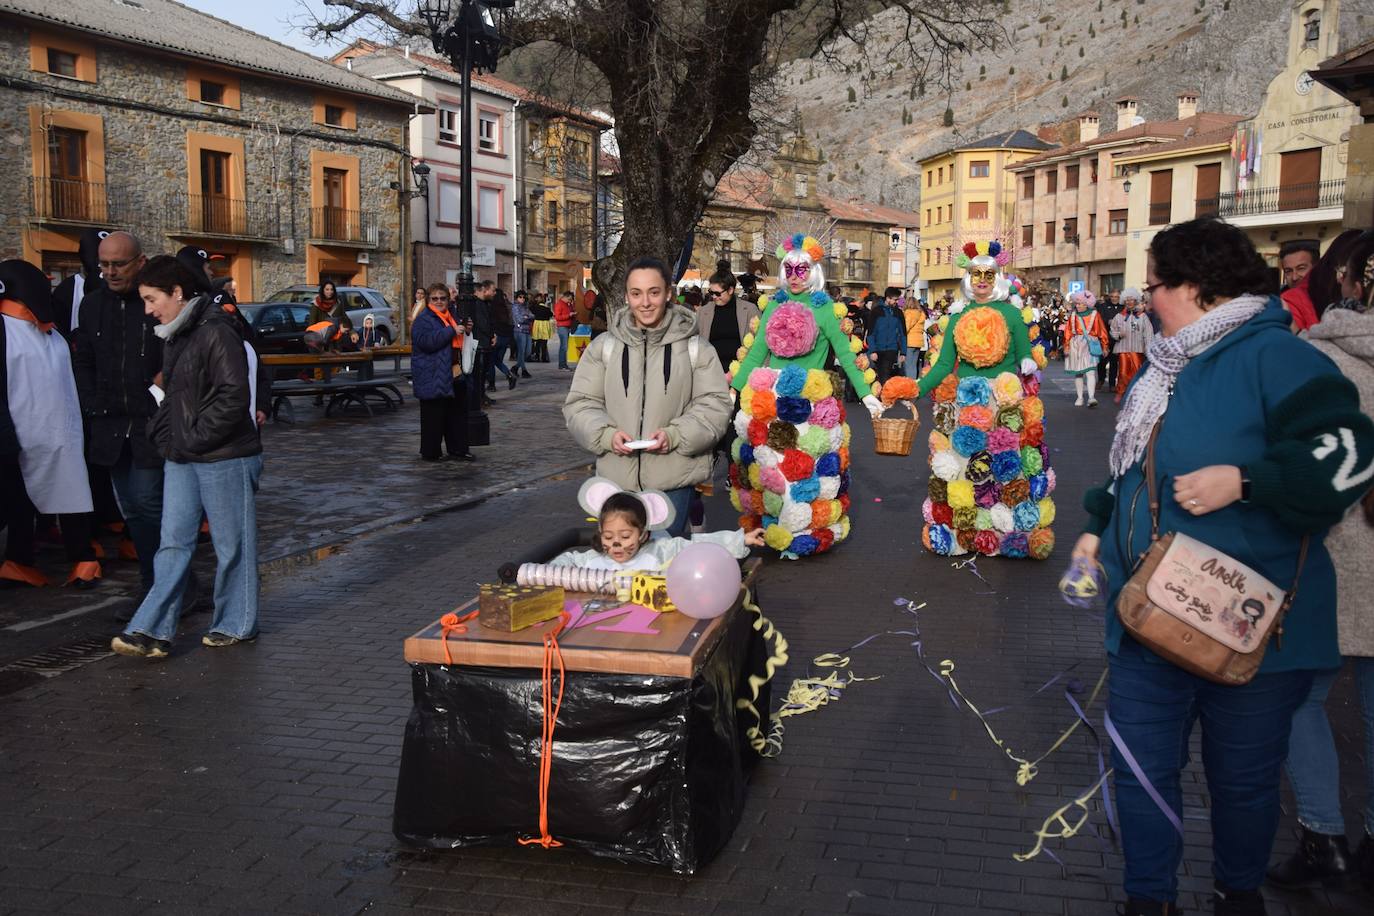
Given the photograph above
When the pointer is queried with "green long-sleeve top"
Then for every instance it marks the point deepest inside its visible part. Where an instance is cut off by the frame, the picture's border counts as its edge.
(1019, 349)
(829, 337)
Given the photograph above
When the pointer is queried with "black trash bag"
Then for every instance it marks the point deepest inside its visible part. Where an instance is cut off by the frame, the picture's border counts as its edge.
(645, 769)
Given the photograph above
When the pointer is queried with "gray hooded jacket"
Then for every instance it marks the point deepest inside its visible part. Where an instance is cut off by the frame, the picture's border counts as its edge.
(640, 381)
(1348, 338)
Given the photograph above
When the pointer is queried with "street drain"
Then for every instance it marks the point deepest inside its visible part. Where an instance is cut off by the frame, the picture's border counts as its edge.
(57, 661)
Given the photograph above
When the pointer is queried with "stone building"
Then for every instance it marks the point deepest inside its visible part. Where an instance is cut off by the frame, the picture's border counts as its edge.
(149, 116)
(967, 192)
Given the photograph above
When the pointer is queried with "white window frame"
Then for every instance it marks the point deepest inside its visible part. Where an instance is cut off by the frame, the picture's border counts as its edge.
(445, 111)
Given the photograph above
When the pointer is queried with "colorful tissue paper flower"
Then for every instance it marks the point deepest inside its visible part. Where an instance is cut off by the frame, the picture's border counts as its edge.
(927, 511)
(791, 381)
(1038, 355)
(1034, 434)
(844, 483)
(870, 375)
(737, 451)
(843, 452)
(1049, 481)
(1030, 385)
(828, 465)
(755, 477)
(795, 517)
(946, 465)
(782, 436)
(825, 539)
(938, 489)
(1032, 460)
(965, 517)
(1016, 545)
(960, 494)
(764, 406)
(861, 361)
(763, 379)
(1016, 491)
(772, 502)
(797, 465)
(1032, 410)
(845, 435)
(899, 388)
(830, 486)
(987, 543)
(1027, 516)
(1044, 454)
(1010, 418)
(985, 494)
(741, 424)
(1041, 543)
(973, 390)
(945, 416)
(734, 493)
(820, 298)
(855, 345)
(841, 529)
(942, 513)
(826, 413)
(937, 442)
(1007, 389)
(750, 522)
(939, 539)
(979, 468)
(767, 456)
(1039, 487)
(982, 520)
(824, 513)
(1006, 466)
(981, 337)
(1046, 512)
(804, 491)
(794, 410)
(758, 431)
(817, 385)
(964, 539)
(967, 440)
(756, 503)
(1028, 315)
(1002, 439)
(770, 479)
(804, 545)
(815, 441)
(947, 390)
(1002, 518)
(777, 537)
(846, 326)
(844, 503)
(746, 401)
(977, 416)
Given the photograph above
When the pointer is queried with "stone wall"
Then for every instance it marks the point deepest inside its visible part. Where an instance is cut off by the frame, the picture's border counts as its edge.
(142, 100)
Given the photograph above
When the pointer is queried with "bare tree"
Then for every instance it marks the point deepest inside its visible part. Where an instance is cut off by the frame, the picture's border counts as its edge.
(691, 83)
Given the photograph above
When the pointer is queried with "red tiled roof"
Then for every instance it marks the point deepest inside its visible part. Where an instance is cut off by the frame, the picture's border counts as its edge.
(861, 211)
(1197, 141)
(745, 189)
(1175, 129)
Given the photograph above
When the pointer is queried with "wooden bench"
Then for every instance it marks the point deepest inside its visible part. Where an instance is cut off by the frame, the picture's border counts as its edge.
(341, 392)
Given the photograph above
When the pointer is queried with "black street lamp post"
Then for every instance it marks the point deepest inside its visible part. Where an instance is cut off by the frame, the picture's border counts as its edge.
(471, 42)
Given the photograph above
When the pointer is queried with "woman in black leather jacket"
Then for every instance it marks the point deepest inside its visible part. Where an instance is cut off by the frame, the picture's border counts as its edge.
(205, 428)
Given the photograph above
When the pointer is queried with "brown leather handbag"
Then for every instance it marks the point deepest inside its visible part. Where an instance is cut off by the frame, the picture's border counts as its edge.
(1198, 607)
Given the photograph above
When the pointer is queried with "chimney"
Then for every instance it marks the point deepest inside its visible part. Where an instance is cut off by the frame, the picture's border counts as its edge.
(348, 62)
(1087, 126)
(1187, 104)
(407, 51)
(1126, 109)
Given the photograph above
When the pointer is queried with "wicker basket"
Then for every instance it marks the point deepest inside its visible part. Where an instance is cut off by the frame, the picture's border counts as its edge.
(893, 435)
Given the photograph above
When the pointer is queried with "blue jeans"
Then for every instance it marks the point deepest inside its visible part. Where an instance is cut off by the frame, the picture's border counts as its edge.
(1154, 706)
(681, 498)
(497, 358)
(563, 334)
(1313, 769)
(139, 491)
(913, 362)
(522, 350)
(224, 491)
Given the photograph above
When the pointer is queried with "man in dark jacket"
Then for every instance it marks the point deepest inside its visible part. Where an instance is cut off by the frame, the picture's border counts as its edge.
(66, 298)
(115, 357)
(1109, 306)
(886, 333)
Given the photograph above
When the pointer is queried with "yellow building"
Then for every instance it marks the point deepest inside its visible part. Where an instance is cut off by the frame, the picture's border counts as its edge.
(967, 191)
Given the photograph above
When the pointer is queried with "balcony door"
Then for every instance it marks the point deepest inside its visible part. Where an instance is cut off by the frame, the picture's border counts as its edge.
(1208, 197)
(68, 193)
(1300, 175)
(335, 204)
(215, 208)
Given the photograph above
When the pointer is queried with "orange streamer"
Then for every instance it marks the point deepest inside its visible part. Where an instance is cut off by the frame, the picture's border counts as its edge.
(452, 623)
(551, 708)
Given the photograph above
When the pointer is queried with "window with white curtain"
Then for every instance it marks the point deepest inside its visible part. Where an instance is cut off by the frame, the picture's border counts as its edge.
(489, 202)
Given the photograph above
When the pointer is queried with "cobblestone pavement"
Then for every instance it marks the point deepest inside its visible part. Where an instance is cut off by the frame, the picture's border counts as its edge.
(260, 779)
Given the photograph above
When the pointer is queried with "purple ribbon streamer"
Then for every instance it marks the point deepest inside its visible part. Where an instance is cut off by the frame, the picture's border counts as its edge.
(1140, 774)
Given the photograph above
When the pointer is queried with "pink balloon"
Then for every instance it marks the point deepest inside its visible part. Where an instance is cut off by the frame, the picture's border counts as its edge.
(703, 581)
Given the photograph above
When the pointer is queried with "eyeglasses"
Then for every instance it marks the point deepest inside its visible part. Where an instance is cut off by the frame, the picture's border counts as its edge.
(438, 298)
(1149, 290)
(115, 265)
(717, 292)
(800, 271)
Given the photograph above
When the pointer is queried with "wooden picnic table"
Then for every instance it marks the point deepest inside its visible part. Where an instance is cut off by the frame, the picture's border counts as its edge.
(340, 392)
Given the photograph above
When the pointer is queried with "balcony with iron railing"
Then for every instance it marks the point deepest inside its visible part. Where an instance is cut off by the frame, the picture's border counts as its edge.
(1206, 206)
(194, 214)
(1313, 195)
(69, 200)
(337, 226)
(1160, 213)
(856, 270)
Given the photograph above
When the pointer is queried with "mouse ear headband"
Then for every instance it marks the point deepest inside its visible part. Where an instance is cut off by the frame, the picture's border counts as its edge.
(657, 506)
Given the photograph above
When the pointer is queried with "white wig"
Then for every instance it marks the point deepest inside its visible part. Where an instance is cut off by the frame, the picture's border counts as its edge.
(1001, 289)
(815, 280)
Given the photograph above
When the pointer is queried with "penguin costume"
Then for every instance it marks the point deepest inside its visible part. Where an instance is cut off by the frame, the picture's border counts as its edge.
(42, 462)
(66, 298)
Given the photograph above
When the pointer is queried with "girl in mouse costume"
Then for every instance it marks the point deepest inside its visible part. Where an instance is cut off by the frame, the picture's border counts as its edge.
(790, 473)
(625, 522)
(990, 476)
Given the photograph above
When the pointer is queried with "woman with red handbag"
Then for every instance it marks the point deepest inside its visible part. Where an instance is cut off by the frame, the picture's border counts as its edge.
(1258, 442)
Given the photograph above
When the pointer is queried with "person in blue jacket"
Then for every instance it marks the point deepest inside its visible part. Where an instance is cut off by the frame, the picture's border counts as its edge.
(436, 373)
(886, 333)
(1261, 442)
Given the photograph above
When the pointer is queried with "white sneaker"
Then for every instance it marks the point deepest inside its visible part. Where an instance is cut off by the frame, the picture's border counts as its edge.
(1092, 402)
(1079, 402)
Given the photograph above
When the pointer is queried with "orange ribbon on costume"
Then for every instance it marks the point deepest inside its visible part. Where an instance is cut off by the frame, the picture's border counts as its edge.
(452, 623)
(21, 311)
(551, 708)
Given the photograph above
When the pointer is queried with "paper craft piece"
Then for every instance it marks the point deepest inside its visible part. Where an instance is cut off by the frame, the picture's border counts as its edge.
(511, 608)
(630, 618)
(641, 444)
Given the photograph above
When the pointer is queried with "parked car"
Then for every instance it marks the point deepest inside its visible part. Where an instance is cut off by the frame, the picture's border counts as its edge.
(280, 326)
(359, 302)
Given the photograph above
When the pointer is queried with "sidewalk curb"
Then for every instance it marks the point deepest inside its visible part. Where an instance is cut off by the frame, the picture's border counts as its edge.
(282, 564)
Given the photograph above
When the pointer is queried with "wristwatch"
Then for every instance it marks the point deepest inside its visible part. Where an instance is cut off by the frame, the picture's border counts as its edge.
(1244, 484)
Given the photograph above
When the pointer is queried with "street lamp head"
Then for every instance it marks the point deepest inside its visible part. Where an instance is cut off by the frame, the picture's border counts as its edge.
(420, 170)
(1126, 186)
(435, 13)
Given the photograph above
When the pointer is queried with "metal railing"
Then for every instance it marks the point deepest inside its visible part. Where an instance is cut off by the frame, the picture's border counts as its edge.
(1206, 206)
(335, 224)
(1279, 198)
(1160, 214)
(206, 215)
(70, 200)
(857, 271)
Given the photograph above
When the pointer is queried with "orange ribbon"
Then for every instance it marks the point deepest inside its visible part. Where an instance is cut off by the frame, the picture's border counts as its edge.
(551, 708)
(452, 623)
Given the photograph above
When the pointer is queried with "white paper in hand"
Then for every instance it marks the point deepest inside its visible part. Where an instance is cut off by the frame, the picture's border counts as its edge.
(641, 444)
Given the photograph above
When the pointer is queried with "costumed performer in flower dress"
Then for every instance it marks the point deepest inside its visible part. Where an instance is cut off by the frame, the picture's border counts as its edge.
(790, 473)
(1084, 333)
(990, 476)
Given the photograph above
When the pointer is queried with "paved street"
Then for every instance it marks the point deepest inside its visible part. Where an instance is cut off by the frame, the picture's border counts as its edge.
(260, 779)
